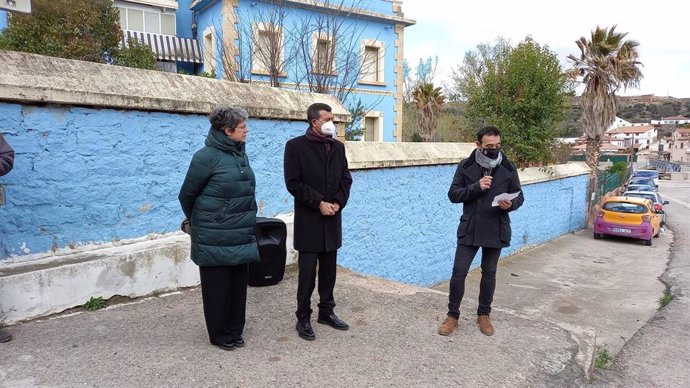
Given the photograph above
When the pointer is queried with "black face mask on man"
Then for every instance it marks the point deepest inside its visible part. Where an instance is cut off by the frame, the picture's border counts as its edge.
(491, 153)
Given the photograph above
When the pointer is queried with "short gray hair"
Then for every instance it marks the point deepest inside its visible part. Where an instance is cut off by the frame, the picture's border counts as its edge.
(227, 117)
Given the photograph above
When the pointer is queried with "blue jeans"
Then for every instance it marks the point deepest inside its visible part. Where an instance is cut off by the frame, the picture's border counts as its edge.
(464, 254)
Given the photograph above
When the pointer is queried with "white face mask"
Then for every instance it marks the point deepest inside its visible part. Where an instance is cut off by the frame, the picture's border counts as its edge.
(328, 129)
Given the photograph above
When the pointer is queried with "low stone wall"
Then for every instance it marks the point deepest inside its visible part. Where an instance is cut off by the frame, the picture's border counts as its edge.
(53, 284)
(31, 78)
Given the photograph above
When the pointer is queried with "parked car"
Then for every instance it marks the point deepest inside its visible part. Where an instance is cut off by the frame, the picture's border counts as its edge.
(642, 180)
(629, 217)
(653, 174)
(655, 197)
(639, 187)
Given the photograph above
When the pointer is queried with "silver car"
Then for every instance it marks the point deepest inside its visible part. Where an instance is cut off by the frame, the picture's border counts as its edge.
(652, 174)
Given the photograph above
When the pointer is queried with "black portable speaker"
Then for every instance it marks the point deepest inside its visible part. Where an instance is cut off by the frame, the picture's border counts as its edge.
(271, 235)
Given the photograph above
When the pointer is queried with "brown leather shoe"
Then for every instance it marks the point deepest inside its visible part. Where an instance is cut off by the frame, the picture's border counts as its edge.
(485, 325)
(449, 324)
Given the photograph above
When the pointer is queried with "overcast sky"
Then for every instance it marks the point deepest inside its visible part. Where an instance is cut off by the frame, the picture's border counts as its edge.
(449, 28)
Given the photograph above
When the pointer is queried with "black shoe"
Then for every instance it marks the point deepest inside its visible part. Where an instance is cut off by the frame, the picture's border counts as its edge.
(229, 345)
(333, 321)
(305, 331)
(5, 336)
(238, 342)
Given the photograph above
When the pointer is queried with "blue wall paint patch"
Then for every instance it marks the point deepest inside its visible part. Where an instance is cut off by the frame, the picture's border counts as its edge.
(85, 175)
(399, 223)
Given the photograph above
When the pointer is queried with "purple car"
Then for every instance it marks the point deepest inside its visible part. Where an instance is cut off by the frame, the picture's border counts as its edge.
(628, 217)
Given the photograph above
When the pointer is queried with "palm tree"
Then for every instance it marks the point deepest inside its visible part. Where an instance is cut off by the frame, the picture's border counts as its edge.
(606, 63)
(429, 101)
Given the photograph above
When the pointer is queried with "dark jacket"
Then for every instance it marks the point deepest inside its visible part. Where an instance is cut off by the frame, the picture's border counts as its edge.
(313, 175)
(217, 196)
(482, 224)
(6, 156)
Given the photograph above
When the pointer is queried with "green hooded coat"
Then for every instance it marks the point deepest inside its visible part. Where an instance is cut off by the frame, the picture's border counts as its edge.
(217, 196)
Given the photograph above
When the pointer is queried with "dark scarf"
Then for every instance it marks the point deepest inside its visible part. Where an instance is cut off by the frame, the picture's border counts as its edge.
(221, 141)
(316, 137)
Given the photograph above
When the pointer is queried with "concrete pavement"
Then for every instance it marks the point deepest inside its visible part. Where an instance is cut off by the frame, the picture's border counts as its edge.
(608, 288)
(657, 355)
(161, 342)
(553, 306)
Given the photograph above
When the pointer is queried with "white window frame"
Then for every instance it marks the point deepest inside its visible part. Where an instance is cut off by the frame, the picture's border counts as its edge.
(380, 45)
(174, 15)
(209, 37)
(315, 38)
(378, 132)
(257, 65)
(143, 19)
(143, 9)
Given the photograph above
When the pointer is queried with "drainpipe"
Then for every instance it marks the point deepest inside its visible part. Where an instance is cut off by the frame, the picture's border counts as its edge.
(195, 17)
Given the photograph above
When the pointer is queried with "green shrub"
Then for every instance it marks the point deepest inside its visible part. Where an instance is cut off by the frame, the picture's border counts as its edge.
(416, 137)
(619, 168)
(665, 299)
(86, 30)
(136, 55)
(603, 359)
(206, 74)
(94, 304)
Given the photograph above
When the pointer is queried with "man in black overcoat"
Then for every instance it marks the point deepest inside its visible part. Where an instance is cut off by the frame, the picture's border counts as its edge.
(316, 174)
(483, 224)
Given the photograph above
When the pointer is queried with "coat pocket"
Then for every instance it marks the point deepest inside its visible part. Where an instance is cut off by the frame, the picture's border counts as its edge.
(464, 225)
(506, 231)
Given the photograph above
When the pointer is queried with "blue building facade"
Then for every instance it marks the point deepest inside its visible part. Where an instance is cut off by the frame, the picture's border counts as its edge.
(349, 48)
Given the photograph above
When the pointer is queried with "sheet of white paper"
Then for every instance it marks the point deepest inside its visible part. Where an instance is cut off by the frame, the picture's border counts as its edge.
(509, 196)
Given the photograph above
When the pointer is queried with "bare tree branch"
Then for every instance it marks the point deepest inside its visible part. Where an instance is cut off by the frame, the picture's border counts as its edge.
(271, 49)
(330, 50)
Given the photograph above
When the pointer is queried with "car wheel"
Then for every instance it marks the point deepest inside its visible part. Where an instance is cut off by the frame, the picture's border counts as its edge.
(657, 233)
(648, 242)
(597, 236)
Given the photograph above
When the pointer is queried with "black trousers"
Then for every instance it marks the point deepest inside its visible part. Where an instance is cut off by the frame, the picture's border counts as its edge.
(307, 278)
(224, 294)
(464, 254)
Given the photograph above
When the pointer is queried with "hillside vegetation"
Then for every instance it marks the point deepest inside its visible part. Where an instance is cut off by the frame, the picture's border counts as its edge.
(635, 109)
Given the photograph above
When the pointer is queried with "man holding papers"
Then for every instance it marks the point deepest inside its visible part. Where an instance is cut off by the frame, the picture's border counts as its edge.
(488, 186)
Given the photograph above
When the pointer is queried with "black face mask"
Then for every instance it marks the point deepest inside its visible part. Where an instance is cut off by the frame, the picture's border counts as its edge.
(491, 153)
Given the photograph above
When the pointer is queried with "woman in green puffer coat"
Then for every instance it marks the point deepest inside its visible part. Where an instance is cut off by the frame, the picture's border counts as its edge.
(217, 197)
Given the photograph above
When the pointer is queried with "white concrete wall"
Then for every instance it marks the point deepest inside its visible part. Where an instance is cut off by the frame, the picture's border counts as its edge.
(36, 288)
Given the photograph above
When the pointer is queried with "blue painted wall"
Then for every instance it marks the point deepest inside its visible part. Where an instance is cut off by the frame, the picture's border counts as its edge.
(3, 20)
(85, 175)
(183, 18)
(211, 17)
(400, 225)
(96, 175)
(365, 29)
